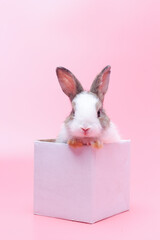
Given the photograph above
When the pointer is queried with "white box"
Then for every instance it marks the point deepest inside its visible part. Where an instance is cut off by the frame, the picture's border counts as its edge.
(82, 184)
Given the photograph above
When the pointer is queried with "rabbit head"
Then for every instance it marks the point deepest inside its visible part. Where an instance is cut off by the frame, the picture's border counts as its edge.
(87, 118)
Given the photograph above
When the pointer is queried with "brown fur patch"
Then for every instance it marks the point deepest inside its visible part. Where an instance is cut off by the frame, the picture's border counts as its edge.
(69, 118)
(104, 120)
(71, 115)
(98, 105)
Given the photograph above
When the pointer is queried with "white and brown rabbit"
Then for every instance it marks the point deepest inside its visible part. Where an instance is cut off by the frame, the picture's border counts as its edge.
(87, 123)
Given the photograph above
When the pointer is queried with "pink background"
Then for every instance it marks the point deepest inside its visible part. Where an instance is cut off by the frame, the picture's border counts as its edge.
(83, 36)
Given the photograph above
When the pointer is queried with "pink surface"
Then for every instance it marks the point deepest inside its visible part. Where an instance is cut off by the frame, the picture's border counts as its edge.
(84, 36)
(18, 222)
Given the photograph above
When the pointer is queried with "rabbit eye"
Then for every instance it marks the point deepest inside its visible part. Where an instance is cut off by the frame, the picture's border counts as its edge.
(98, 113)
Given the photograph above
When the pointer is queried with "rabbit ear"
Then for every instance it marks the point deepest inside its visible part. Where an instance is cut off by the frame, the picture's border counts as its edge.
(101, 82)
(68, 82)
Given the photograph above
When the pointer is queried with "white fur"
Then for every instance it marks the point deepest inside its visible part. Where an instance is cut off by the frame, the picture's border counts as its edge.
(63, 134)
(86, 117)
(111, 134)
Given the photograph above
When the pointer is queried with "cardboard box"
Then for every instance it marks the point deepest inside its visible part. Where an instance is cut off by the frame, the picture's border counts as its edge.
(82, 184)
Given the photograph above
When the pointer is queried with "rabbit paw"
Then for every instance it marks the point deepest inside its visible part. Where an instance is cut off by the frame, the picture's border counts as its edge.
(75, 143)
(97, 144)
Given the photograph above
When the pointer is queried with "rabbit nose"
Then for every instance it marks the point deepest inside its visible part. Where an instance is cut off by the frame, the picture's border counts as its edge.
(85, 130)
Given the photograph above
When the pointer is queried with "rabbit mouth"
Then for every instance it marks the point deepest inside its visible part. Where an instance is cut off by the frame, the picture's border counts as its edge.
(87, 135)
(85, 132)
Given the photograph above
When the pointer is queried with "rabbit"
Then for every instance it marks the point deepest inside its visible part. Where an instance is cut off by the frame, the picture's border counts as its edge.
(87, 123)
